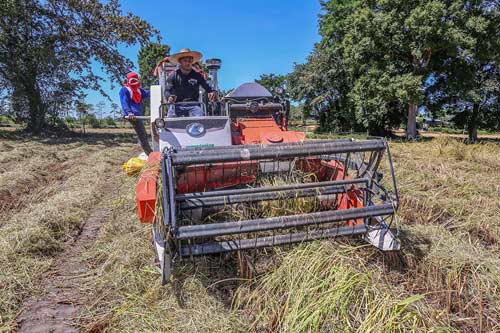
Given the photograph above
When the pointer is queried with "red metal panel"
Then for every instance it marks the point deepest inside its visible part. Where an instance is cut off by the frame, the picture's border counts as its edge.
(198, 178)
(262, 131)
(334, 170)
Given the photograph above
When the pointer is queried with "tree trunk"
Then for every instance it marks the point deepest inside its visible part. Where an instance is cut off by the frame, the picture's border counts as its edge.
(36, 119)
(411, 128)
(18, 103)
(472, 123)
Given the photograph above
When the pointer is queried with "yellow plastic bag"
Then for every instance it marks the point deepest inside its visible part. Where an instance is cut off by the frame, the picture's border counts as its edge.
(133, 166)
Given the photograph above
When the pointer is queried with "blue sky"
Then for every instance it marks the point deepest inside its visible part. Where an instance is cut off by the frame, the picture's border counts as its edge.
(251, 37)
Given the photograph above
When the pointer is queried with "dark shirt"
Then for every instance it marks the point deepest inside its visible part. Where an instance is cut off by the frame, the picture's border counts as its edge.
(186, 87)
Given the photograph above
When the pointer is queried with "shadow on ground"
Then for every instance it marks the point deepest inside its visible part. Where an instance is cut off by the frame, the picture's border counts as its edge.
(219, 274)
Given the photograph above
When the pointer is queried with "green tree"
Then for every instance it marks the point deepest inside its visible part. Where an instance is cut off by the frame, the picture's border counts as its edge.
(71, 122)
(109, 122)
(322, 85)
(297, 112)
(47, 48)
(384, 52)
(83, 110)
(390, 47)
(100, 110)
(115, 110)
(272, 81)
(469, 83)
(18, 105)
(149, 56)
(92, 120)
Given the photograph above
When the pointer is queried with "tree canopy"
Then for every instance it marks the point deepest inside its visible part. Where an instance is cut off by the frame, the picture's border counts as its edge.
(149, 56)
(468, 85)
(272, 81)
(48, 49)
(377, 59)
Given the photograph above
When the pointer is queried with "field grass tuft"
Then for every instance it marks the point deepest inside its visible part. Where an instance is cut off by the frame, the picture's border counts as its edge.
(331, 287)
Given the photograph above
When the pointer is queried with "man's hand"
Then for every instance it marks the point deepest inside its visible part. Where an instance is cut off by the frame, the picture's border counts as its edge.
(171, 99)
(131, 116)
(212, 96)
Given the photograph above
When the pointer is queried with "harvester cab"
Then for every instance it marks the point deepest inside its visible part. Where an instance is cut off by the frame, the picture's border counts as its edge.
(240, 180)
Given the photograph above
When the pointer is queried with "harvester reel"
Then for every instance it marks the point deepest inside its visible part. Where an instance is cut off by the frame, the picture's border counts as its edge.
(339, 174)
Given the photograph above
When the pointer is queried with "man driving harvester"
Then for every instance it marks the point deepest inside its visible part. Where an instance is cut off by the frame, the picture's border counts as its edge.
(183, 85)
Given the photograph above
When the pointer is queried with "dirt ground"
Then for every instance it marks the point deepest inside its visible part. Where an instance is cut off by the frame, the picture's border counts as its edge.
(75, 258)
(59, 307)
(55, 194)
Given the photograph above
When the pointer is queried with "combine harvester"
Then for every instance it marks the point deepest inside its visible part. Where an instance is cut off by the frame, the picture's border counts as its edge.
(229, 158)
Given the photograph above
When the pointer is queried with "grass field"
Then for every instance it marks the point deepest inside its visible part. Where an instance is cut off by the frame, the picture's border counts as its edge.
(445, 279)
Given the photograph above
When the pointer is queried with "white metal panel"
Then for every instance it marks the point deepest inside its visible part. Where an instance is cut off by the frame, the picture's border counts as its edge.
(217, 132)
(155, 102)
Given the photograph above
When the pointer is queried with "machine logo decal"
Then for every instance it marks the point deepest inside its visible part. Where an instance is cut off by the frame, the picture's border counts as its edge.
(196, 130)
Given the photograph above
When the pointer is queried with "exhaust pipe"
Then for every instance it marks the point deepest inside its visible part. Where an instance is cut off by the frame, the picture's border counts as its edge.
(213, 66)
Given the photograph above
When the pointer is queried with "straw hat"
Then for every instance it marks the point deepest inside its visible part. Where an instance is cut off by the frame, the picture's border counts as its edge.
(185, 53)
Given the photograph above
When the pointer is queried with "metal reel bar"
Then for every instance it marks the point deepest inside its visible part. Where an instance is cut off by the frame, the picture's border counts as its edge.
(281, 222)
(274, 151)
(277, 240)
(257, 194)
